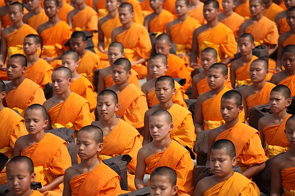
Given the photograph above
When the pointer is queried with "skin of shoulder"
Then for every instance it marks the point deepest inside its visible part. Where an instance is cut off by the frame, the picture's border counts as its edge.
(20, 145)
(278, 77)
(27, 17)
(42, 27)
(200, 29)
(203, 185)
(198, 77)
(147, 87)
(6, 31)
(280, 16)
(3, 10)
(244, 25)
(102, 20)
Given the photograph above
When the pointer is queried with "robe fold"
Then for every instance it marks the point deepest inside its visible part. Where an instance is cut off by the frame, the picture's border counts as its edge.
(283, 25)
(288, 176)
(242, 74)
(289, 41)
(234, 22)
(169, 5)
(63, 12)
(36, 193)
(203, 86)
(243, 10)
(36, 20)
(272, 11)
(86, 20)
(197, 13)
(133, 79)
(101, 8)
(290, 82)
(159, 23)
(138, 17)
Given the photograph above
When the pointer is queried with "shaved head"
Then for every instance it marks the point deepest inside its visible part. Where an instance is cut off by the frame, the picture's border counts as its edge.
(291, 118)
(185, 1)
(164, 37)
(123, 62)
(162, 112)
(38, 107)
(55, 1)
(108, 92)
(71, 53)
(79, 34)
(247, 35)
(226, 145)
(214, 3)
(259, 1)
(95, 131)
(2, 86)
(169, 173)
(212, 51)
(36, 38)
(291, 9)
(117, 45)
(289, 48)
(23, 159)
(234, 95)
(127, 5)
(21, 59)
(263, 62)
(65, 71)
(19, 5)
(161, 57)
(284, 90)
(220, 66)
(166, 78)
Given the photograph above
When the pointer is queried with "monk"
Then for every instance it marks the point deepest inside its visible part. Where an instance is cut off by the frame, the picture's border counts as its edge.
(177, 67)
(228, 17)
(88, 61)
(163, 151)
(281, 18)
(287, 76)
(21, 92)
(258, 93)
(250, 154)
(105, 79)
(213, 34)
(79, 84)
(138, 17)
(64, 9)
(38, 70)
(196, 11)
(65, 108)
(271, 10)
(115, 138)
(242, 8)
(36, 16)
(131, 100)
(21, 166)
(272, 127)
(282, 170)
(239, 68)
(51, 166)
(181, 29)
(183, 130)
(225, 180)
(135, 39)
(157, 66)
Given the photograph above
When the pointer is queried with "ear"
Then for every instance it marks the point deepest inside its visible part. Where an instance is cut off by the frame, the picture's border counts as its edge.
(45, 123)
(225, 78)
(24, 69)
(170, 45)
(70, 81)
(241, 107)
(3, 94)
(234, 161)
(117, 106)
(132, 14)
(77, 64)
(33, 176)
(253, 45)
(171, 127)
(174, 190)
(174, 91)
(123, 55)
(166, 67)
(99, 147)
(267, 71)
(129, 73)
(289, 101)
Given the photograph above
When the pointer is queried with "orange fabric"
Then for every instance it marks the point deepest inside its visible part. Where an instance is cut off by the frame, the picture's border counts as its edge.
(289, 41)
(74, 110)
(243, 10)
(178, 158)
(101, 8)
(288, 176)
(63, 12)
(30, 93)
(138, 17)
(169, 5)
(6, 22)
(237, 184)
(234, 22)
(36, 20)
(272, 11)
(159, 23)
(133, 79)
(290, 82)
(86, 19)
(242, 74)
(40, 73)
(283, 25)
(197, 14)
(260, 98)
(282, 5)
(132, 106)
(246, 139)
(84, 88)
(145, 6)
(102, 180)
(203, 86)
(36, 193)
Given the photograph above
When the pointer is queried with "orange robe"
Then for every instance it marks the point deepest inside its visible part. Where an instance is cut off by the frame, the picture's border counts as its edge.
(234, 22)
(203, 86)
(101, 8)
(246, 139)
(74, 113)
(6, 22)
(288, 176)
(178, 97)
(106, 181)
(272, 11)
(169, 5)
(178, 158)
(36, 20)
(282, 5)
(289, 41)
(138, 17)
(85, 20)
(36, 193)
(159, 23)
(237, 184)
(243, 10)
(132, 106)
(40, 73)
(283, 26)
(275, 139)
(63, 12)
(137, 45)
(146, 8)
(290, 82)
(84, 88)
(242, 74)
(260, 98)
(133, 79)
(197, 14)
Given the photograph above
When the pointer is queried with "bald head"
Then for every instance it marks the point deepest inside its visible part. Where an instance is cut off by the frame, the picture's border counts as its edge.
(169, 79)
(128, 6)
(214, 3)
(38, 107)
(95, 132)
(167, 172)
(73, 54)
(55, 1)
(19, 5)
(259, 1)
(123, 62)
(289, 48)
(164, 113)
(262, 62)
(163, 37)
(79, 34)
(21, 59)
(185, 1)
(220, 66)
(234, 95)
(247, 35)
(2, 86)
(109, 92)
(160, 57)
(211, 51)
(22, 159)
(65, 72)
(36, 38)
(225, 145)
(284, 90)
(117, 45)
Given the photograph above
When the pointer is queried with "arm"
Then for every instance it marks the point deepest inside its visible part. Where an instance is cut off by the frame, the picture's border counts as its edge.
(243, 91)
(195, 50)
(272, 49)
(67, 187)
(198, 116)
(57, 181)
(253, 170)
(211, 139)
(279, 62)
(3, 53)
(140, 169)
(276, 181)
(17, 148)
(101, 84)
(139, 61)
(227, 60)
(69, 20)
(146, 132)
(232, 75)
(260, 129)
(100, 38)
(146, 23)
(195, 93)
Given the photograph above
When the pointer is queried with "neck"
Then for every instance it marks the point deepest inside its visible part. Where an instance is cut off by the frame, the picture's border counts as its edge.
(75, 75)
(113, 121)
(163, 144)
(158, 10)
(281, 115)
(127, 25)
(18, 25)
(82, 54)
(183, 17)
(90, 164)
(82, 6)
(227, 13)
(18, 81)
(216, 91)
(223, 178)
(37, 137)
(121, 87)
(213, 23)
(65, 95)
(54, 20)
(292, 30)
(37, 10)
(292, 151)
(32, 58)
(61, 3)
(259, 85)
(205, 72)
(257, 17)
(195, 4)
(1, 105)
(113, 13)
(267, 4)
(167, 105)
(229, 125)
(246, 58)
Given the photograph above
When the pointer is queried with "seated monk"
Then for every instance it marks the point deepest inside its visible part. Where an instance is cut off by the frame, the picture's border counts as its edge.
(283, 167)
(38, 70)
(181, 29)
(21, 166)
(21, 92)
(196, 11)
(250, 154)
(105, 78)
(157, 66)
(80, 179)
(287, 76)
(272, 127)
(47, 151)
(135, 39)
(137, 17)
(163, 151)
(271, 10)
(131, 100)
(225, 180)
(79, 84)
(36, 15)
(116, 141)
(214, 34)
(281, 18)
(183, 130)
(65, 108)
(64, 9)
(242, 8)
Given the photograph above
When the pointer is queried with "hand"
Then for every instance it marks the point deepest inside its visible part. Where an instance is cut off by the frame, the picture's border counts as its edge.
(100, 48)
(43, 189)
(194, 65)
(48, 59)
(181, 55)
(278, 69)
(2, 68)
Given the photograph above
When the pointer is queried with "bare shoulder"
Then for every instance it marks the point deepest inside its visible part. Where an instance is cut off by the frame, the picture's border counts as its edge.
(205, 184)
(117, 31)
(170, 24)
(73, 12)
(204, 97)
(42, 27)
(105, 72)
(147, 86)
(198, 77)
(145, 151)
(3, 10)
(284, 36)
(103, 20)
(72, 172)
(6, 31)
(27, 16)
(278, 77)
(150, 17)
(97, 123)
(50, 103)
(149, 112)
(280, 16)
(21, 142)
(235, 64)
(244, 90)
(200, 29)
(264, 121)
(213, 133)
(112, 88)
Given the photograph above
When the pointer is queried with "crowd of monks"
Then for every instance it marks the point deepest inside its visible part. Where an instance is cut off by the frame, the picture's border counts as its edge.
(75, 66)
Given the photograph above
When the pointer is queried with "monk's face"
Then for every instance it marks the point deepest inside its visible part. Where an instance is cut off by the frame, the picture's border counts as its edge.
(162, 47)
(35, 122)
(289, 3)
(34, 4)
(221, 163)
(291, 19)
(278, 102)
(106, 107)
(256, 7)
(19, 178)
(216, 79)
(30, 46)
(257, 72)
(114, 53)
(230, 110)
(60, 82)
(157, 68)
(210, 13)
(207, 59)
(155, 4)
(164, 91)
(228, 5)
(15, 13)
(120, 75)
(86, 146)
(15, 69)
(50, 8)
(245, 46)
(181, 8)
(290, 132)
(112, 5)
(159, 127)
(78, 45)
(288, 61)
(125, 15)
(69, 62)
(160, 185)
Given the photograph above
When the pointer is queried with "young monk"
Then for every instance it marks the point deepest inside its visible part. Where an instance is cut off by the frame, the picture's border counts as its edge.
(213, 34)
(79, 179)
(79, 84)
(131, 100)
(138, 16)
(163, 151)
(283, 167)
(183, 130)
(181, 29)
(38, 70)
(157, 66)
(20, 175)
(163, 182)
(281, 19)
(242, 8)
(119, 137)
(88, 61)
(105, 79)
(50, 167)
(287, 76)
(271, 10)
(64, 9)
(239, 68)
(135, 39)
(225, 181)
(21, 92)
(36, 16)
(65, 108)
(196, 11)
(228, 17)
(272, 127)
(250, 154)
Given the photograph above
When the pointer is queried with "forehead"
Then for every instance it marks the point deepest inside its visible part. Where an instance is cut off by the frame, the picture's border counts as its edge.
(256, 64)
(68, 57)
(114, 49)
(157, 61)
(124, 10)
(85, 136)
(29, 39)
(180, 2)
(18, 167)
(118, 67)
(163, 83)
(288, 54)
(107, 98)
(159, 119)
(219, 152)
(276, 94)
(161, 43)
(79, 39)
(290, 13)
(207, 55)
(290, 123)
(160, 179)
(59, 74)
(228, 102)
(14, 61)
(244, 39)
(15, 8)
(214, 70)
(209, 6)
(254, 2)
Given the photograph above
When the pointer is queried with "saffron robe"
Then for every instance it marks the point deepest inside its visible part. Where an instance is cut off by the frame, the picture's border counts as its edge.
(6, 22)
(242, 74)
(86, 20)
(272, 11)
(234, 22)
(36, 193)
(197, 14)
(290, 82)
(36, 20)
(289, 41)
(63, 12)
(288, 176)
(169, 5)
(159, 23)
(203, 86)
(133, 79)
(101, 8)
(243, 10)
(283, 26)
(138, 17)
